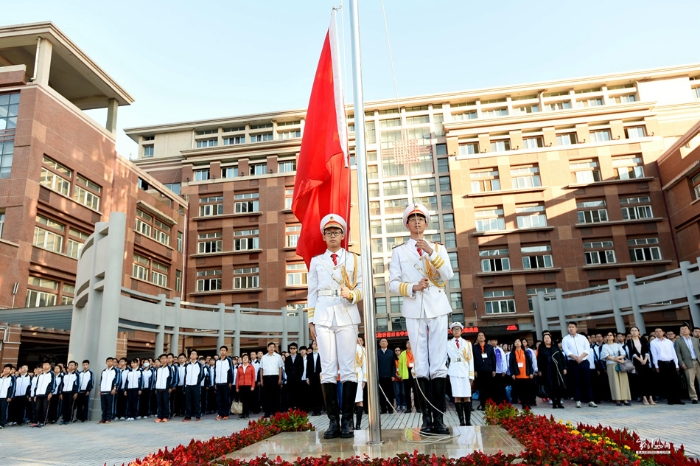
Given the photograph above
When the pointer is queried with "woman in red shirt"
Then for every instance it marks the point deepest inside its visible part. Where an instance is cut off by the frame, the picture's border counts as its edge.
(521, 371)
(245, 384)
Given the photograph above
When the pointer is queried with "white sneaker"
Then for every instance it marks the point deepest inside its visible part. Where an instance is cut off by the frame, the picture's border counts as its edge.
(578, 404)
(550, 402)
(138, 417)
(592, 405)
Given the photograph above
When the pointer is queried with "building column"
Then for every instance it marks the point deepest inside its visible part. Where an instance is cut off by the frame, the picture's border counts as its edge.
(112, 107)
(636, 310)
(175, 337)
(619, 321)
(541, 311)
(285, 329)
(220, 337)
(560, 311)
(692, 305)
(160, 336)
(44, 50)
(237, 329)
(538, 318)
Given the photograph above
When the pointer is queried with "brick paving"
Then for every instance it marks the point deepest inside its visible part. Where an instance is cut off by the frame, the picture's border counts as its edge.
(120, 442)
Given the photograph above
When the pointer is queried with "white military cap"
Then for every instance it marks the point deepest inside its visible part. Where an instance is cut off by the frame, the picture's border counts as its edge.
(456, 324)
(415, 209)
(333, 221)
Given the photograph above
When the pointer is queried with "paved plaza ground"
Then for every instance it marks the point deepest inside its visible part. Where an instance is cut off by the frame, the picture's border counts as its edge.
(121, 441)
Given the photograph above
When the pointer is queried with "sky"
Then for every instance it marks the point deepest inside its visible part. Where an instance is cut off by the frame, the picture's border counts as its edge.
(184, 61)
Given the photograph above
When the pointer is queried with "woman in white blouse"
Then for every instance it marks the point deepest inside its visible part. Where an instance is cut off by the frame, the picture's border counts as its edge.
(614, 353)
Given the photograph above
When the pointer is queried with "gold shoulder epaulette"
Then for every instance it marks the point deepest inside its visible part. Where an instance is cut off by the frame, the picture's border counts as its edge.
(398, 245)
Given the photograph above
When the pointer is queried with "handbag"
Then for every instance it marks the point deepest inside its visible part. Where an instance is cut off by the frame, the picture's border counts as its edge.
(237, 407)
(626, 366)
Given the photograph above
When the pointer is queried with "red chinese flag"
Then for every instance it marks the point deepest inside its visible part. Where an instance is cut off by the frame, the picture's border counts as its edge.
(322, 183)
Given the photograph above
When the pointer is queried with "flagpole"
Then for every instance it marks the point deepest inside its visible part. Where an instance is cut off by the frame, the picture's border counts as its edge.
(375, 427)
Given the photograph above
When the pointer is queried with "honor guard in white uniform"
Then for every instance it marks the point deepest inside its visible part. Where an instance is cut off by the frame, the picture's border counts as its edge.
(335, 288)
(460, 356)
(418, 271)
(361, 374)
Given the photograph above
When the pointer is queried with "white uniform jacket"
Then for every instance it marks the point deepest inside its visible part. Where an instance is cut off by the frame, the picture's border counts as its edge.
(461, 359)
(360, 365)
(325, 280)
(407, 269)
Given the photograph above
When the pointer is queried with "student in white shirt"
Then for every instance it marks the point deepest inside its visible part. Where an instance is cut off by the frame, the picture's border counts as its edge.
(666, 363)
(271, 366)
(576, 349)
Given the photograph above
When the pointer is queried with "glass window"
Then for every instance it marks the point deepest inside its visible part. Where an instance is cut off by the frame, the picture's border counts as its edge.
(531, 216)
(292, 233)
(242, 206)
(288, 166)
(396, 304)
(585, 171)
(627, 168)
(445, 183)
(635, 132)
(234, 140)
(450, 240)
(50, 235)
(500, 145)
(602, 135)
(208, 280)
(448, 221)
(395, 188)
(537, 257)
(209, 242)
(244, 240)
(566, 139)
(533, 142)
(87, 193)
(207, 143)
(229, 172)
(490, 219)
(599, 252)
(443, 166)
(201, 175)
(297, 274)
(148, 151)
(446, 200)
(696, 184)
(469, 148)
(2, 221)
(9, 107)
(592, 211)
(485, 180)
(380, 305)
(55, 176)
(494, 260)
(643, 249)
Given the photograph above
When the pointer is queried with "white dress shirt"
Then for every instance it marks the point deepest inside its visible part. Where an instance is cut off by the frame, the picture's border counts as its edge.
(271, 364)
(576, 345)
(663, 350)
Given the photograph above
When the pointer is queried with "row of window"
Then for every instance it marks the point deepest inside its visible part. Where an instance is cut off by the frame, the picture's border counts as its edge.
(42, 292)
(203, 174)
(9, 108)
(214, 205)
(153, 227)
(54, 236)
(61, 179)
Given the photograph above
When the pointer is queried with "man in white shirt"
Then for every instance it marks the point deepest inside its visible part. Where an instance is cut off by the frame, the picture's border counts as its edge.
(223, 381)
(576, 349)
(192, 380)
(663, 354)
(271, 366)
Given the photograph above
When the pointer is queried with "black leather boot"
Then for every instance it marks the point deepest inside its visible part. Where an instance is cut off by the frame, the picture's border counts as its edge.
(330, 395)
(349, 391)
(440, 405)
(424, 388)
(358, 417)
(459, 407)
(467, 409)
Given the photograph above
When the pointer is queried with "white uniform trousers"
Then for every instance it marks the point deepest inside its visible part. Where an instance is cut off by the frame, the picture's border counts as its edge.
(336, 347)
(428, 338)
(358, 392)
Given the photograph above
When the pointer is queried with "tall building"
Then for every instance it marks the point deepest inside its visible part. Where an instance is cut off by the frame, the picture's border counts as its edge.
(531, 187)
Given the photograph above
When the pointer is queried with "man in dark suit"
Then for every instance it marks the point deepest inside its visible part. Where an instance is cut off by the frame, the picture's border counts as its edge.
(484, 369)
(386, 367)
(313, 379)
(688, 352)
(294, 368)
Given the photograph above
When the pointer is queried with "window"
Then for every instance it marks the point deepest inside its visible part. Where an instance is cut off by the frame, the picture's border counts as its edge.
(526, 109)
(370, 132)
(2, 221)
(87, 193)
(393, 225)
(244, 240)
(494, 260)
(208, 280)
(201, 175)
(485, 180)
(635, 212)
(394, 206)
(234, 140)
(599, 252)
(390, 123)
(288, 198)
(590, 103)
(445, 183)
(537, 257)
(296, 133)
(207, 143)
(373, 189)
(696, 93)
(454, 282)
(496, 112)
(490, 219)
(76, 239)
(178, 280)
(380, 305)
(68, 291)
(646, 252)
(229, 172)
(42, 298)
(180, 241)
(202, 132)
(174, 187)
(494, 305)
(456, 300)
(55, 176)
(9, 106)
(372, 172)
(454, 262)
(553, 107)
(395, 188)
(246, 278)
(465, 116)
(533, 142)
(292, 233)
(469, 148)
(393, 241)
(148, 150)
(585, 171)
(532, 295)
(446, 200)
(50, 235)
(438, 129)
(210, 206)
(288, 166)
(628, 168)
(531, 216)
(258, 169)
(635, 132)
(296, 274)
(424, 185)
(159, 274)
(696, 185)
(500, 145)
(377, 245)
(379, 285)
(443, 166)
(378, 265)
(566, 139)
(601, 135)
(525, 177)
(396, 303)
(418, 120)
(209, 242)
(448, 221)
(143, 223)
(247, 203)
(450, 240)
(261, 137)
(592, 211)
(429, 201)
(289, 123)
(140, 267)
(626, 99)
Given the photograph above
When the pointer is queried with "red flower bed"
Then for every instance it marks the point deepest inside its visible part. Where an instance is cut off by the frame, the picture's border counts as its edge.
(403, 459)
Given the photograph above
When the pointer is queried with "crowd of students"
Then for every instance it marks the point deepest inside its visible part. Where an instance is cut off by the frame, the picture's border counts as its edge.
(188, 386)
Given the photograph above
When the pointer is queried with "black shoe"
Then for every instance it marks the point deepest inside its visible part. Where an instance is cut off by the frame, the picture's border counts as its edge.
(424, 392)
(459, 407)
(346, 426)
(358, 417)
(330, 395)
(467, 407)
(438, 386)
(694, 402)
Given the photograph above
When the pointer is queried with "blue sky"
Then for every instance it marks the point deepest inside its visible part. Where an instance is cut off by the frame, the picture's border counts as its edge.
(193, 60)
